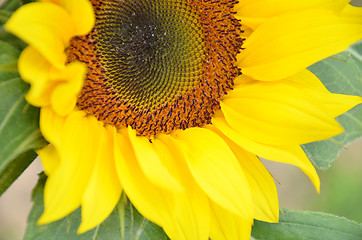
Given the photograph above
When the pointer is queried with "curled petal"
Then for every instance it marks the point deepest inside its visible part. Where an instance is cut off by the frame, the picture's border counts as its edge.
(45, 26)
(49, 158)
(68, 85)
(291, 154)
(65, 187)
(82, 13)
(35, 69)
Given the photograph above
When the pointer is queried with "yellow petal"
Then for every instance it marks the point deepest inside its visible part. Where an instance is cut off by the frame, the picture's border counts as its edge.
(64, 188)
(246, 32)
(190, 215)
(45, 26)
(277, 113)
(64, 95)
(295, 155)
(171, 158)
(333, 104)
(191, 211)
(149, 199)
(49, 158)
(308, 84)
(226, 225)
(151, 164)
(251, 22)
(254, 13)
(264, 192)
(271, 8)
(34, 69)
(350, 10)
(181, 214)
(104, 190)
(291, 154)
(49, 86)
(50, 125)
(284, 45)
(82, 13)
(51, 1)
(215, 169)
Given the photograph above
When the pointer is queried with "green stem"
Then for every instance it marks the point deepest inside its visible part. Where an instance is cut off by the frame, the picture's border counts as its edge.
(121, 213)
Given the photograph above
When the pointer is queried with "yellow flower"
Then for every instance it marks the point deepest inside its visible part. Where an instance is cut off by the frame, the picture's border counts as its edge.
(173, 102)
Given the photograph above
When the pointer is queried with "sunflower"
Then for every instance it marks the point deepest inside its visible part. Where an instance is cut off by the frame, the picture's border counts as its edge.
(173, 102)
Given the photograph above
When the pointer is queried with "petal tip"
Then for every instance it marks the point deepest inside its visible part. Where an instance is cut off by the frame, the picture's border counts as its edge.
(83, 228)
(45, 219)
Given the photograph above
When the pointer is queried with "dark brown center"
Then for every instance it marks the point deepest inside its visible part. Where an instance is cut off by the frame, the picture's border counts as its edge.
(158, 65)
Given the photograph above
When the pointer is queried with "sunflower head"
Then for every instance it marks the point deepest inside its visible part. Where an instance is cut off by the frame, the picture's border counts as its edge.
(146, 97)
(158, 66)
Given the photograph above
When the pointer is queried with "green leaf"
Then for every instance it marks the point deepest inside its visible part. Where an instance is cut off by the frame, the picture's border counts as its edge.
(11, 5)
(341, 74)
(19, 127)
(8, 56)
(124, 221)
(4, 16)
(11, 39)
(4, 35)
(299, 225)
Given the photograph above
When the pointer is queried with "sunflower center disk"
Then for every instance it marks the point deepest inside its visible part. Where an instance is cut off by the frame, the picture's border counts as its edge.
(152, 50)
(157, 65)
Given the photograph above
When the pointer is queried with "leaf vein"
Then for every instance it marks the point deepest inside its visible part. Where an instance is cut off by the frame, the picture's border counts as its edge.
(10, 113)
(319, 227)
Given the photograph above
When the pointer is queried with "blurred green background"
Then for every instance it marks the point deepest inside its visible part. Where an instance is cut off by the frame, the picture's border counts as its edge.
(341, 185)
